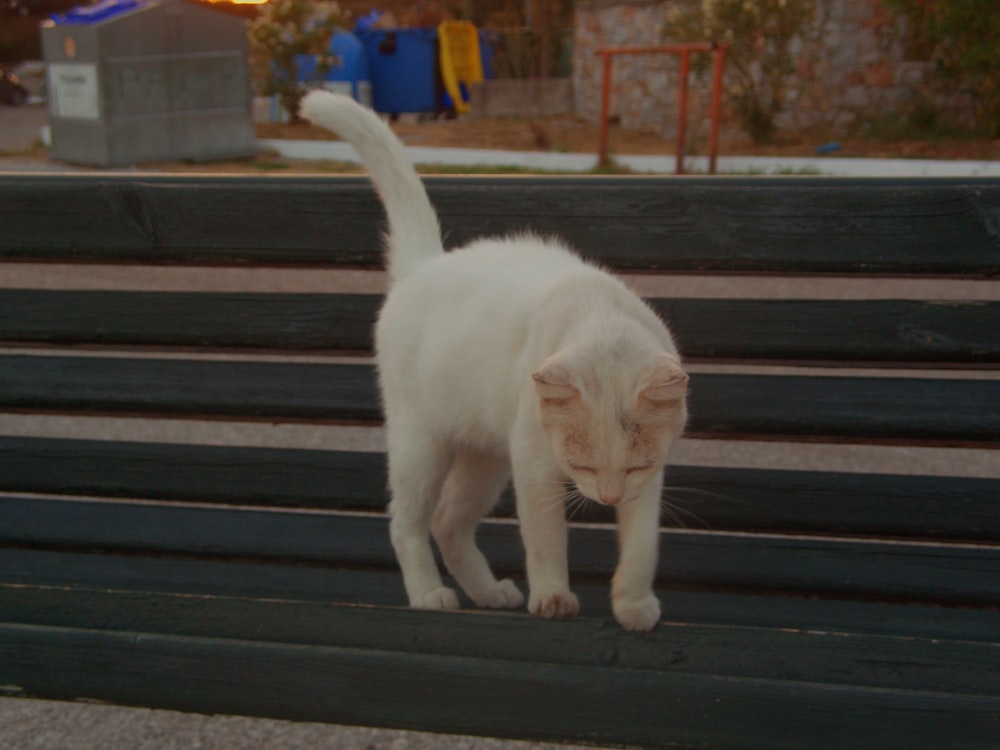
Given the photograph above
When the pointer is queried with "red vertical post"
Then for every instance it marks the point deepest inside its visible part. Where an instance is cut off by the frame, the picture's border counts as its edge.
(602, 147)
(683, 111)
(713, 138)
(684, 51)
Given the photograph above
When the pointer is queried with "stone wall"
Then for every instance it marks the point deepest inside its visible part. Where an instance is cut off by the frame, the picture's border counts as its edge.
(524, 97)
(855, 71)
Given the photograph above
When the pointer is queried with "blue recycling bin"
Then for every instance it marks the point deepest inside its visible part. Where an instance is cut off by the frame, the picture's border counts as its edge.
(488, 42)
(96, 13)
(351, 71)
(403, 68)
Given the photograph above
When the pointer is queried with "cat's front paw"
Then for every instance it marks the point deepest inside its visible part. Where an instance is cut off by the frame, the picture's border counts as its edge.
(553, 604)
(505, 595)
(639, 614)
(439, 598)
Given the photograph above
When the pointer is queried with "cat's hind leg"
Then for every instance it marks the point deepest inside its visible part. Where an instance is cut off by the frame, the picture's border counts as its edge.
(473, 486)
(417, 469)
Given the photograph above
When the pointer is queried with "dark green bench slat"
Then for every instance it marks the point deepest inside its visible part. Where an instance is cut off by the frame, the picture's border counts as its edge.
(721, 405)
(920, 227)
(845, 407)
(428, 691)
(95, 574)
(271, 477)
(834, 567)
(214, 319)
(883, 330)
(840, 330)
(691, 648)
(698, 497)
(242, 389)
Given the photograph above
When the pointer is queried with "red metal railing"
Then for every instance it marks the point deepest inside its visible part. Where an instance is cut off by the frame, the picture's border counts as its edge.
(684, 50)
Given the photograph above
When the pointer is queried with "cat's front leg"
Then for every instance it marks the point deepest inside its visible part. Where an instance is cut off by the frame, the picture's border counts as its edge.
(542, 518)
(632, 599)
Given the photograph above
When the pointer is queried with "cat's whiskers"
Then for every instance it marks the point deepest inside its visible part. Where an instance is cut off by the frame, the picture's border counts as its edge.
(558, 497)
(575, 502)
(568, 497)
(706, 493)
(670, 504)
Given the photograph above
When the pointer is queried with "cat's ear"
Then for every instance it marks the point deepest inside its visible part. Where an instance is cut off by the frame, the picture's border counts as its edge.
(665, 385)
(554, 383)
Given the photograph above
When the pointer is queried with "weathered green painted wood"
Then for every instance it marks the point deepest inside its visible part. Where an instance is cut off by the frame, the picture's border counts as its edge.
(461, 694)
(93, 574)
(271, 477)
(843, 331)
(247, 389)
(730, 405)
(213, 319)
(791, 653)
(275, 579)
(888, 226)
(697, 497)
(845, 407)
(928, 572)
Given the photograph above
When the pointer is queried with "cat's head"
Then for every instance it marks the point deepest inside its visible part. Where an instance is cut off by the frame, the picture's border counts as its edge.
(611, 422)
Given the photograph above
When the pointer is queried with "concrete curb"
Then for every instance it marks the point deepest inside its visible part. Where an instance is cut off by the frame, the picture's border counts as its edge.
(576, 162)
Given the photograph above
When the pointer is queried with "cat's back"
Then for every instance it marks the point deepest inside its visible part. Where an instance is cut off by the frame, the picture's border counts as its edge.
(487, 280)
(524, 262)
(472, 308)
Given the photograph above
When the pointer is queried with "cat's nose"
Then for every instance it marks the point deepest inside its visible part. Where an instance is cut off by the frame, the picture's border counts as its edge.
(610, 499)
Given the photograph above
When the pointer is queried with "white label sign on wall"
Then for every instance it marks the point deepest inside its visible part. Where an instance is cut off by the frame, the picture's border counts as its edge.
(73, 91)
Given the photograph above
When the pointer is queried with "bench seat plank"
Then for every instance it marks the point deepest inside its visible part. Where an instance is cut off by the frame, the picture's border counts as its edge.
(875, 226)
(699, 497)
(190, 387)
(860, 408)
(893, 331)
(690, 647)
(433, 691)
(945, 573)
(46, 574)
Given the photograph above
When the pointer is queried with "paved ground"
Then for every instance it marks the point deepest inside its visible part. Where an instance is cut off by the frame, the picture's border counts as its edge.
(44, 725)
(20, 126)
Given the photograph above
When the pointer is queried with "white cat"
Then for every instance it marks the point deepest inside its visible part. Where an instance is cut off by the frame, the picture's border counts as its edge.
(511, 357)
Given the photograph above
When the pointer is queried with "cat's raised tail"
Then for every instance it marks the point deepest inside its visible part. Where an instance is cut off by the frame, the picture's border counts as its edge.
(414, 234)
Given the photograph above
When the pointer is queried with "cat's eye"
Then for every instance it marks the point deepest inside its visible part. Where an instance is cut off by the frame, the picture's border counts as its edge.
(583, 469)
(636, 469)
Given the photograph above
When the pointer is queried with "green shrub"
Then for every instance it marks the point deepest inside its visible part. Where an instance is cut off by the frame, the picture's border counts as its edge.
(961, 36)
(760, 34)
(284, 30)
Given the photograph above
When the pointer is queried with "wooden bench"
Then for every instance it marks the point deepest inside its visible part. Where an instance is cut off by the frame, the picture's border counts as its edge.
(180, 527)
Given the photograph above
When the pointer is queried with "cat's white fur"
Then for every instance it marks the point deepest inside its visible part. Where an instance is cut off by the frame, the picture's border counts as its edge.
(511, 358)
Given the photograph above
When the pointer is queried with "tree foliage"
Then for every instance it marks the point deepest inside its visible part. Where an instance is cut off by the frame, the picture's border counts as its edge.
(963, 38)
(285, 30)
(761, 35)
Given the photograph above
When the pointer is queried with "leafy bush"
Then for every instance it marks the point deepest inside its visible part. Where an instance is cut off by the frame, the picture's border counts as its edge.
(284, 30)
(961, 36)
(761, 34)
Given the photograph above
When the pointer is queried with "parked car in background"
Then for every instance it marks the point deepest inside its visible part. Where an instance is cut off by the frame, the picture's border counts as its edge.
(12, 91)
